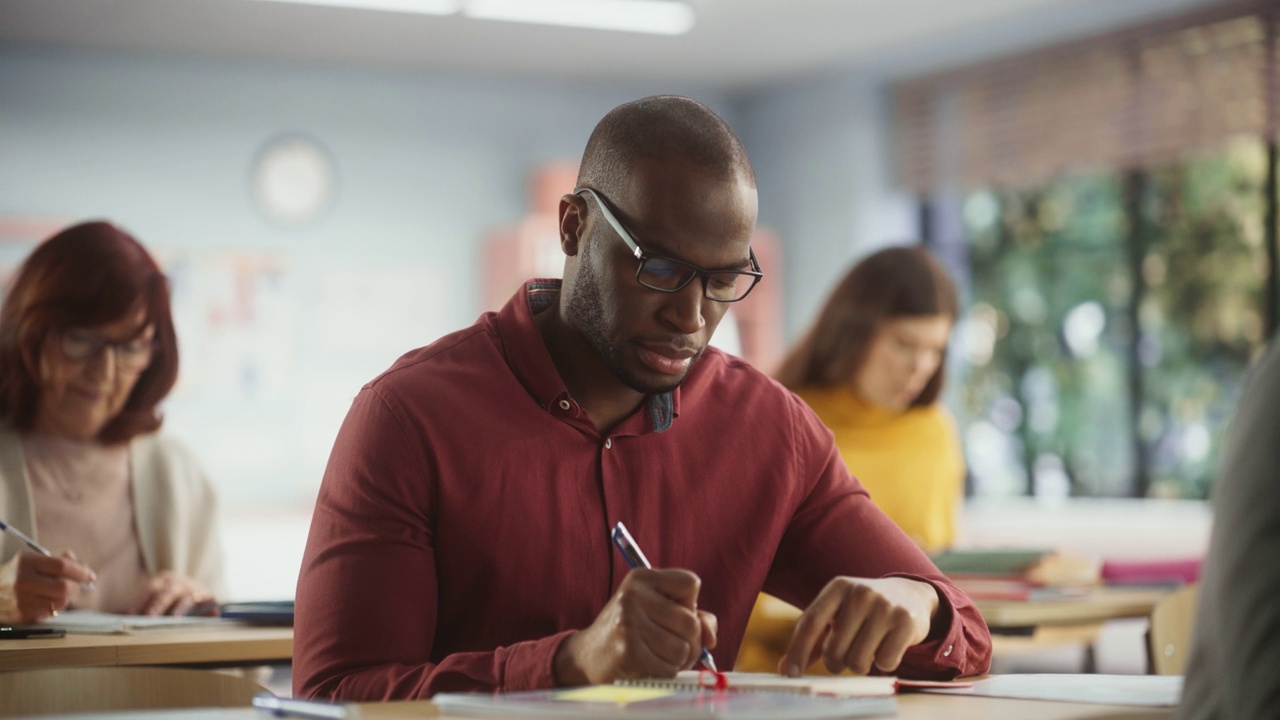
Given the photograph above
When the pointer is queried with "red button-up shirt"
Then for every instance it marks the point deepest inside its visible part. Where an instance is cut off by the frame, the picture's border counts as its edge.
(462, 528)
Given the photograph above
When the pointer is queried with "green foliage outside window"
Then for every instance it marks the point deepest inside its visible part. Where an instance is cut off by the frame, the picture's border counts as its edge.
(1060, 393)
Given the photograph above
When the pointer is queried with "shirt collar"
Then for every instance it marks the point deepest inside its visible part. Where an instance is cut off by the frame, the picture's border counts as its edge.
(529, 360)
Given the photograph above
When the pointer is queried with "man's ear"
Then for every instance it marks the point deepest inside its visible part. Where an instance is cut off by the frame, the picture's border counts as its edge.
(573, 221)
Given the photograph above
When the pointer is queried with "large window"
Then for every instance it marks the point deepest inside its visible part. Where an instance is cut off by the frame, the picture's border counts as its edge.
(1111, 321)
(1110, 206)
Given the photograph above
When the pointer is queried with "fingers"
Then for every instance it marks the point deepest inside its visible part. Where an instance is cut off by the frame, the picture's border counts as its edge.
(894, 647)
(649, 628)
(667, 622)
(842, 646)
(858, 623)
(169, 594)
(710, 626)
(44, 585)
(64, 566)
(810, 628)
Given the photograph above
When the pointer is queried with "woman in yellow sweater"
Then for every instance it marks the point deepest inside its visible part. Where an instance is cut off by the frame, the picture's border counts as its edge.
(872, 367)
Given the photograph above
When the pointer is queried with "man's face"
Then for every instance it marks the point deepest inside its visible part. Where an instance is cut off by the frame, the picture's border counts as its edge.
(646, 338)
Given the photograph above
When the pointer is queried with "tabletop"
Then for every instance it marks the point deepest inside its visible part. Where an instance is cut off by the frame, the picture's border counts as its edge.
(231, 645)
(1094, 606)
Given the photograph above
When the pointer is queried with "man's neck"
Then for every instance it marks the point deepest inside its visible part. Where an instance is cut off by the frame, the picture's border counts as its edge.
(606, 400)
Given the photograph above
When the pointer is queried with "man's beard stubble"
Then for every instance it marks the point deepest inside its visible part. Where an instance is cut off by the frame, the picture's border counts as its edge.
(585, 313)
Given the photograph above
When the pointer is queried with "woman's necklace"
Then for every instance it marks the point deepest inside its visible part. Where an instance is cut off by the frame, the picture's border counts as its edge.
(70, 490)
(63, 466)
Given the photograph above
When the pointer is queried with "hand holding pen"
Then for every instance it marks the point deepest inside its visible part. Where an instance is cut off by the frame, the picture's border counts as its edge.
(45, 582)
(649, 628)
(636, 559)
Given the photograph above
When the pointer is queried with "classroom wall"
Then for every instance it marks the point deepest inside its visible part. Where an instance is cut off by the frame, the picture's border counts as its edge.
(279, 328)
(821, 150)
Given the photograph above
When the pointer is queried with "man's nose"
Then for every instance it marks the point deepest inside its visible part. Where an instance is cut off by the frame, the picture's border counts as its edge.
(683, 308)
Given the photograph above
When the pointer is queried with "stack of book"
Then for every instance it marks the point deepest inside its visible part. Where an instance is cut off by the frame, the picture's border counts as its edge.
(1018, 573)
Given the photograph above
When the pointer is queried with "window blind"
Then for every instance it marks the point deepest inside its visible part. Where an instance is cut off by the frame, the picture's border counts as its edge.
(1133, 98)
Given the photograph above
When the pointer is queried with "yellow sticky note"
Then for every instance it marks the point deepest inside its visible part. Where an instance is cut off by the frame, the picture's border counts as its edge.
(620, 694)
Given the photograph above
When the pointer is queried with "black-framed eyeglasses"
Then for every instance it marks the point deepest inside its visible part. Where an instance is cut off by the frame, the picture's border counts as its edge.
(79, 344)
(670, 275)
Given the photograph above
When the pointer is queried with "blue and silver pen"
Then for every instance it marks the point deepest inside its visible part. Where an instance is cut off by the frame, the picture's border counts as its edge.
(31, 543)
(631, 553)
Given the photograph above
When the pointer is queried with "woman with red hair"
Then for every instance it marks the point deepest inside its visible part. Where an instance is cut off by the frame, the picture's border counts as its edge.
(87, 352)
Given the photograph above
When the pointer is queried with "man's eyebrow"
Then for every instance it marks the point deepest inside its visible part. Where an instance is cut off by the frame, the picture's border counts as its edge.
(659, 251)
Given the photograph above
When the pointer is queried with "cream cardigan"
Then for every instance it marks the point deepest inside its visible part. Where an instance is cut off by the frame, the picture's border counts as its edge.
(173, 506)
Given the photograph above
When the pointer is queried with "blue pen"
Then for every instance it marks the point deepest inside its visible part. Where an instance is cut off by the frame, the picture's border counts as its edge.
(31, 543)
(631, 553)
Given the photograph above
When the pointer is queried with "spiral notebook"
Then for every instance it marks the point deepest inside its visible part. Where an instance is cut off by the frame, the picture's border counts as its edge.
(606, 702)
(834, 686)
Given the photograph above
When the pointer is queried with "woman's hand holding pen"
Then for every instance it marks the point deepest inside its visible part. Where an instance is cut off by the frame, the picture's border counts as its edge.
(651, 627)
(170, 594)
(855, 623)
(45, 584)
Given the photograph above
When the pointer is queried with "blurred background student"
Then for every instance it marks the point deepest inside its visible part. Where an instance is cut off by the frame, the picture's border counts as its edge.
(872, 368)
(87, 352)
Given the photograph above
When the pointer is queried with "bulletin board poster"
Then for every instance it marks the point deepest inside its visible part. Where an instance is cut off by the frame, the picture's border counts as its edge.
(274, 346)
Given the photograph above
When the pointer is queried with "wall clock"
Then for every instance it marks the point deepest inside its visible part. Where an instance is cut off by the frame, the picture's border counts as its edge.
(293, 180)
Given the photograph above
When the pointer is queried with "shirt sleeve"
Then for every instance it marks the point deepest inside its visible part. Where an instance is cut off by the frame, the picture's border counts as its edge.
(366, 607)
(837, 530)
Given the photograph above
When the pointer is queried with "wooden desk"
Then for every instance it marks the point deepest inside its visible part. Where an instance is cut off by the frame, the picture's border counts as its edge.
(236, 645)
(912, 706)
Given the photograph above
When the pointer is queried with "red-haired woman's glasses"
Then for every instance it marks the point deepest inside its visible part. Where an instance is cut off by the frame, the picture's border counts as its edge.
(79, 345)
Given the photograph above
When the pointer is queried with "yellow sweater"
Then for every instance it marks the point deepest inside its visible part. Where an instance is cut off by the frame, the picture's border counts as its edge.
(912, 465)
(910, 462)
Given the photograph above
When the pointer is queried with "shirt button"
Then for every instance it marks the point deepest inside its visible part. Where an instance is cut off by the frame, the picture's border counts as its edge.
(564, 405)
(947, 652)
(608, 443)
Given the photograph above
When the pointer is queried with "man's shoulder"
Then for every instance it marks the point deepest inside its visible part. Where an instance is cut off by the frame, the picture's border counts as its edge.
(463, 350)
(725, 375)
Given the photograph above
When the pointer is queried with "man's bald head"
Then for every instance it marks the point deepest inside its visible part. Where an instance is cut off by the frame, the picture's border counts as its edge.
(656, 128)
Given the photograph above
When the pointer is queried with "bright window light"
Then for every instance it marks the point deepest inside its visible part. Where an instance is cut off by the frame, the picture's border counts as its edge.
(424, 7)
(660, 17)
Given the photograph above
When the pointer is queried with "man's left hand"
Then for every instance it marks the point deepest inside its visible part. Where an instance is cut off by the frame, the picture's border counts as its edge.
(855, 622)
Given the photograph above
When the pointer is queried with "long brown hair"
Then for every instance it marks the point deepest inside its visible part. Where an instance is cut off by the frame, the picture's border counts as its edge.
(86, 275)
(892, 283)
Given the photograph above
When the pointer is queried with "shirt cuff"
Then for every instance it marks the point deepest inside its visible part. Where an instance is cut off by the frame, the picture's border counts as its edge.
(530, 665)
(944, 651)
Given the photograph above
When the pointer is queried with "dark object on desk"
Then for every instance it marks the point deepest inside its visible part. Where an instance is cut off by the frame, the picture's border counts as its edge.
(10, 632)
(267, 612)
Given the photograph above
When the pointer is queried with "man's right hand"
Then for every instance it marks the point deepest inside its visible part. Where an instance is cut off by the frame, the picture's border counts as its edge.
(651, 627)
(44, 585)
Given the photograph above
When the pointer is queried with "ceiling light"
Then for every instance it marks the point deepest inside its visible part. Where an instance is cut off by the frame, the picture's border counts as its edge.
(424, 7)
(661, 17)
